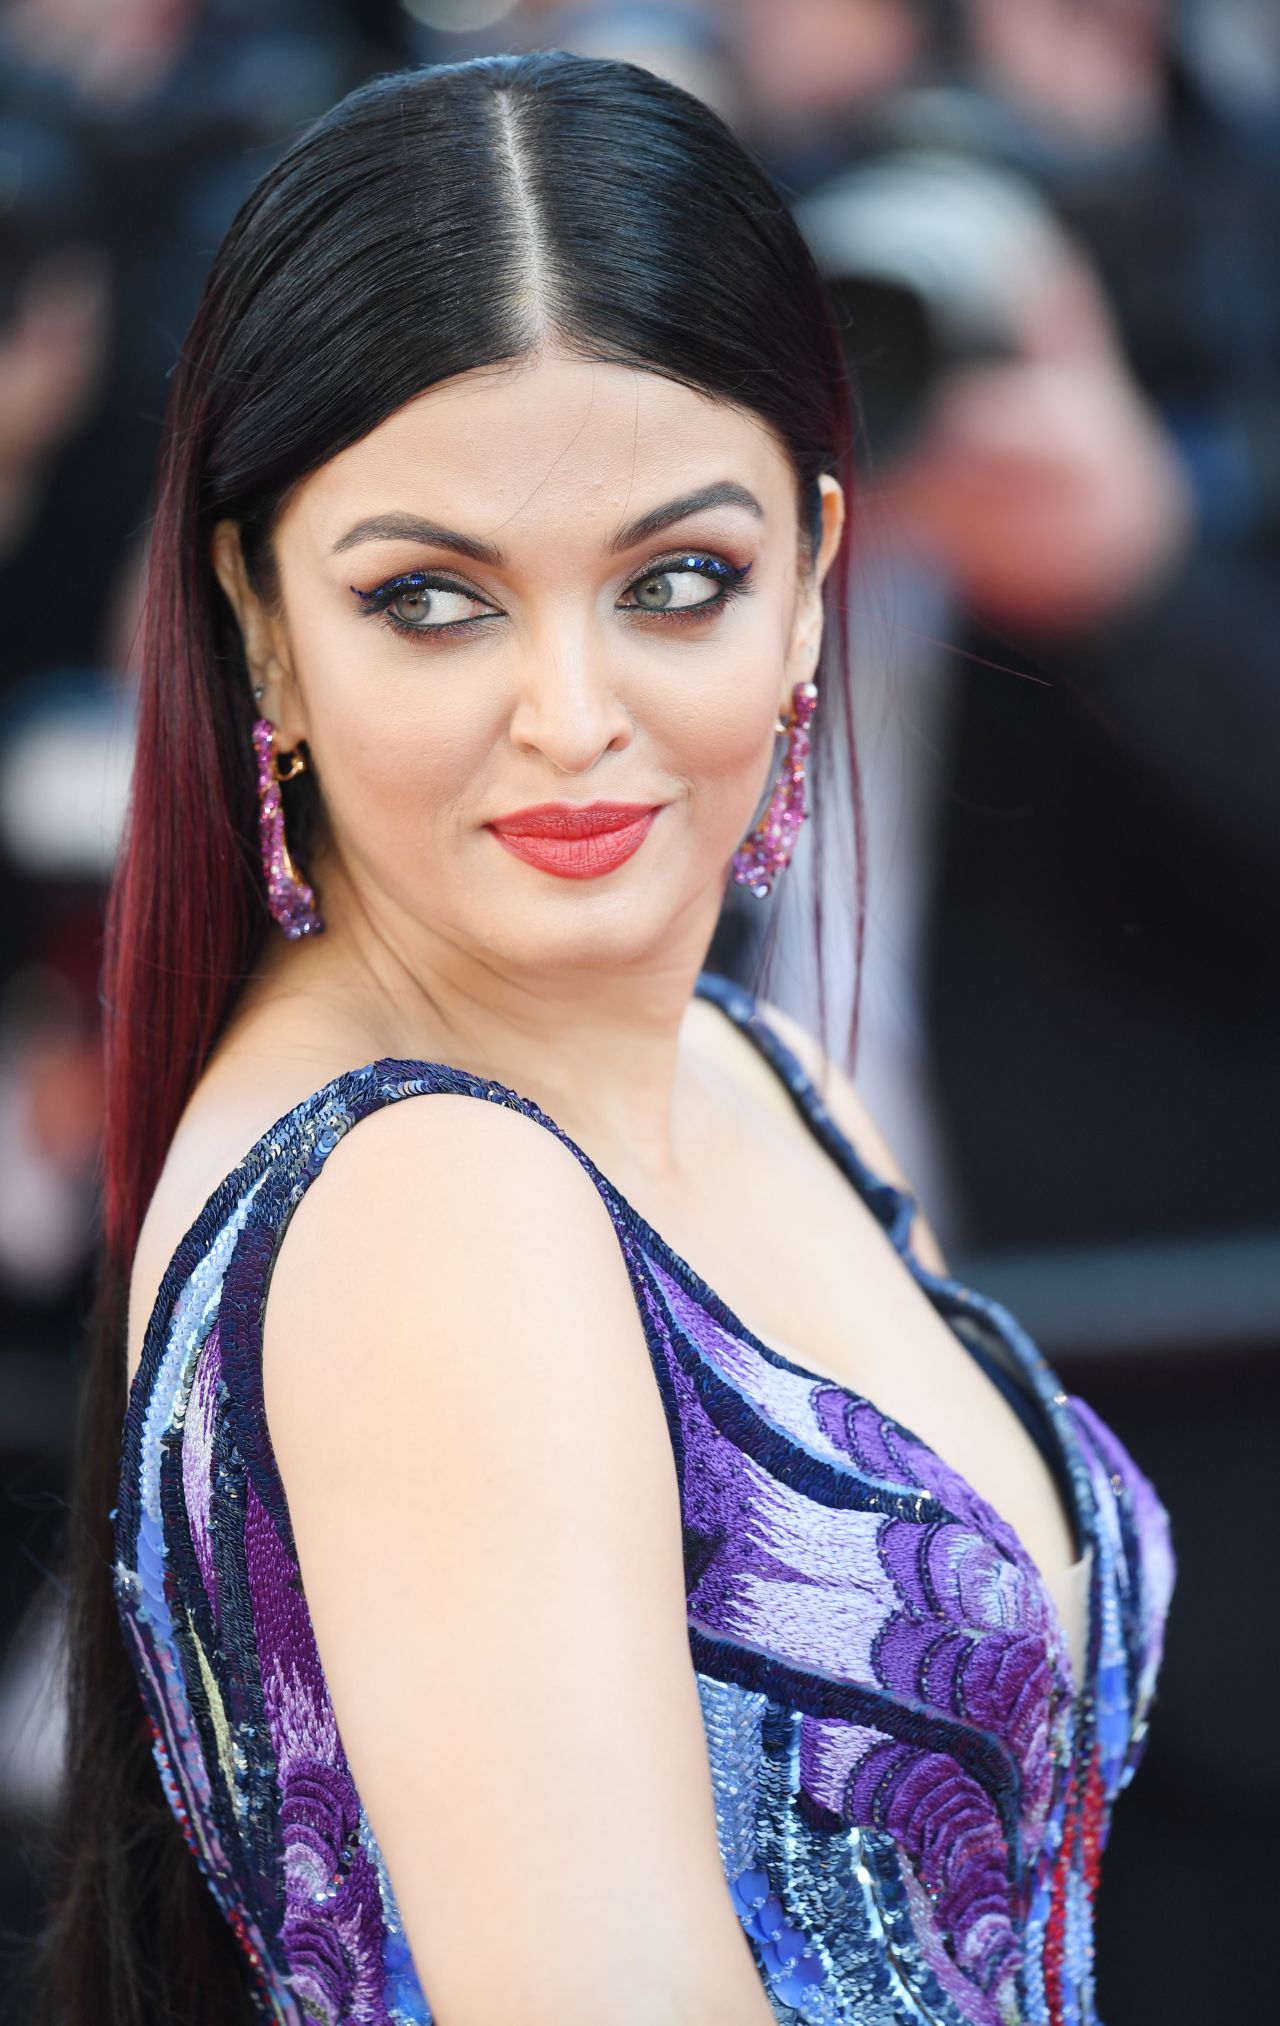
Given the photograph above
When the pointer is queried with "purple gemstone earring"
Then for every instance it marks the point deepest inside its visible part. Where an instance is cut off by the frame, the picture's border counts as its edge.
(290, 899)
(763, 854)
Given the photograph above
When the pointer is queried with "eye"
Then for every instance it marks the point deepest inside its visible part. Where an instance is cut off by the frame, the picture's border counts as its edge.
(430, 605)
(687, 586)
(419, 603)
(663, 591)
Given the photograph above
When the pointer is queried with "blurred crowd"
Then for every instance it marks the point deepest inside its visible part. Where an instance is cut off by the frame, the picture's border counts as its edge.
(1050, 230)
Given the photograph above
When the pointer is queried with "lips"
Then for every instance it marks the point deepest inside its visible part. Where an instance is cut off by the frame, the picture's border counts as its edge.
(576, 841)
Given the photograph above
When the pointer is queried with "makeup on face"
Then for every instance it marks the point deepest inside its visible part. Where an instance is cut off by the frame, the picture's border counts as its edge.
(576, 841)
(570, 582)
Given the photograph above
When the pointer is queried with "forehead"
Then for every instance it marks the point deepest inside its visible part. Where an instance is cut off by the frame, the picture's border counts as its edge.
(551, 447)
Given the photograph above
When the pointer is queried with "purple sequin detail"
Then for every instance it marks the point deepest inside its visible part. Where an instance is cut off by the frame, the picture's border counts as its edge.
(761, 857)
(907, 1781)
(291, 900)
(332, 1933)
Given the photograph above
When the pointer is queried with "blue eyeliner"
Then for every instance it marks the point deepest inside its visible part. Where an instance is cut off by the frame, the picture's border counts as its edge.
(730, 577)
(412, 580)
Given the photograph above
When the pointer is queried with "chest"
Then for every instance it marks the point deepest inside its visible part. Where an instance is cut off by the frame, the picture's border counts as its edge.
(802, 1259)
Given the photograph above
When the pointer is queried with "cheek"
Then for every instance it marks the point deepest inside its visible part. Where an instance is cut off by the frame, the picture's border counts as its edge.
(719, 736)
(395, 749)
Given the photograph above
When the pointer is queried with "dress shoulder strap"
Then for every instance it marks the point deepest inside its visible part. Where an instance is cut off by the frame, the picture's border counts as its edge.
(894, 1207)
(984, 1326)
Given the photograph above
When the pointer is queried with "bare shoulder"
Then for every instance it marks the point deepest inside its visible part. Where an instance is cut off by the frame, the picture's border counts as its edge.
(852, 1116)
(452, 1245)
(459, 1184)
(486, 1508)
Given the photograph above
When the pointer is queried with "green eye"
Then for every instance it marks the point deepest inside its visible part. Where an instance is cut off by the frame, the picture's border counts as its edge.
(418, 603)
(655, 592)
(430, 607)
(673, 588)
(411, 607)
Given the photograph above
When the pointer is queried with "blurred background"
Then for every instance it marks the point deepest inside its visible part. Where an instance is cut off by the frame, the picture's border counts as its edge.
(1052, 229)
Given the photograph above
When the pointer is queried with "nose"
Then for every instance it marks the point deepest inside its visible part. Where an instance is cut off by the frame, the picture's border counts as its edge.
(567, 706)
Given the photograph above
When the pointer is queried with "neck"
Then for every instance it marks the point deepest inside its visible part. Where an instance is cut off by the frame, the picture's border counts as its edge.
(599, 1048)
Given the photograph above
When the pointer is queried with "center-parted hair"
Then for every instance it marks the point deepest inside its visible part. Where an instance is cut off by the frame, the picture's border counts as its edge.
(434, 222)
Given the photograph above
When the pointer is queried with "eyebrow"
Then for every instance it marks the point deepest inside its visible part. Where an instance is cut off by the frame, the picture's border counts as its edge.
(726, 492)
(412, 528)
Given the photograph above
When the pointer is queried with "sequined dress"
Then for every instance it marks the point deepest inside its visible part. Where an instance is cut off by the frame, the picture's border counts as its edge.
(912, 1793)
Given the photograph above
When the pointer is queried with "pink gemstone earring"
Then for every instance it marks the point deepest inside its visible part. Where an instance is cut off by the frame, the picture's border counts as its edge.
(763, 854)
(290, 899)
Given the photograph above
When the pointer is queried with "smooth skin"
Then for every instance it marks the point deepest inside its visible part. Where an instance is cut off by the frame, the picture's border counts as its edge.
(458, 1386)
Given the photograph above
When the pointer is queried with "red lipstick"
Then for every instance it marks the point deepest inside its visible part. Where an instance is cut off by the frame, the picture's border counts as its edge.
(580, 840)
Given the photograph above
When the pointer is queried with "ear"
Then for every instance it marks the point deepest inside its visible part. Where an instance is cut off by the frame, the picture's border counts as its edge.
(806, 630)
(265, 640)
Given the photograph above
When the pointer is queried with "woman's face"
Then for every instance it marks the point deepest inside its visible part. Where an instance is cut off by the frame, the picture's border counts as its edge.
(507, 596)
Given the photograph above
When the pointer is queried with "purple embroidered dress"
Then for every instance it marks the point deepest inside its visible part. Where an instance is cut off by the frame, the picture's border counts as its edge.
(912, 1791)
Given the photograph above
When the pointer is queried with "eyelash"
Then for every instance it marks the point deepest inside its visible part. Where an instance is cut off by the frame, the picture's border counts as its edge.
(729, 576)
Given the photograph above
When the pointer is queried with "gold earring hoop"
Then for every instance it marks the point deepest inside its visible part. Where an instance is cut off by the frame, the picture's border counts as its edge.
(297, 765)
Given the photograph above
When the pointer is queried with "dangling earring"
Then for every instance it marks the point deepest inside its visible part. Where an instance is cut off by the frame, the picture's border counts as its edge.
(290, 899)
(763, 854)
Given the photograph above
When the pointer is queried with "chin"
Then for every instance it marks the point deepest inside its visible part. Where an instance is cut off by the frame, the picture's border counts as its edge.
(576, 931)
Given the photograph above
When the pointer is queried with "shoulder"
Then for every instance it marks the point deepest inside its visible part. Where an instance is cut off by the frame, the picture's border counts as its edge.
(242, 1099)
(452, 1178)
(850, 1112)
(452, 1253)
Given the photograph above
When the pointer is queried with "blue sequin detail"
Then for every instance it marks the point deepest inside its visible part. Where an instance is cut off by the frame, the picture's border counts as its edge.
(910, 1790)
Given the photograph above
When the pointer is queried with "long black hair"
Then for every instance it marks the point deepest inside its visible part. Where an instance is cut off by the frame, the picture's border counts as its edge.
(434, 221)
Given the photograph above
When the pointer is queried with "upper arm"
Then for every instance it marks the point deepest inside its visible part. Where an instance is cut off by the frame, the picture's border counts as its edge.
(856, 1122)
(483, 1493)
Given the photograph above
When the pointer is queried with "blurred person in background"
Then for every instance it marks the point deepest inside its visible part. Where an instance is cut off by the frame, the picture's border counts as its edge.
(815, 74)
(55, 310)
(794, 80)
(1105, 504)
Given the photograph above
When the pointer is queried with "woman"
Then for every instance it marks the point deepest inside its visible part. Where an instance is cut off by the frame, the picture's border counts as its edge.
(503, 505)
